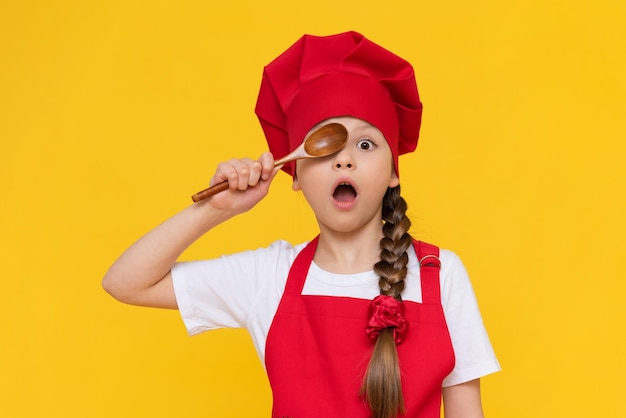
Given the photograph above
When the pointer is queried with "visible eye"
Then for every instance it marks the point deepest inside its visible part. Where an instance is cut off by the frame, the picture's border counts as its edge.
(365, 144)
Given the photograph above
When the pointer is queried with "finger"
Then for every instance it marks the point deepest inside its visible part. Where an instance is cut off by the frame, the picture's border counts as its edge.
(255, 168)
(224, 172)
(241, 178)
(265, 184)
(267, 162)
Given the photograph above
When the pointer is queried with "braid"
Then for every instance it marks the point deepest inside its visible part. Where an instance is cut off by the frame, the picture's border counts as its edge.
(382, 386)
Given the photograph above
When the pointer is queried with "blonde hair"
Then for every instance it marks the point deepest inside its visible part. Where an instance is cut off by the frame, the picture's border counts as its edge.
(382, 386)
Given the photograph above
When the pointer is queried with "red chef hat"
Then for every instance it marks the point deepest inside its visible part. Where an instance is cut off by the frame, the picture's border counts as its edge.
(320, 77)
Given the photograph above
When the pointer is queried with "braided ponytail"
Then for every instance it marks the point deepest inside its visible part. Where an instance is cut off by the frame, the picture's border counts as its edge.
(382, 386)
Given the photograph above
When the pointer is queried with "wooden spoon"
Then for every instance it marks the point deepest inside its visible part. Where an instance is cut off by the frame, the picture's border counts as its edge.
(325, 141)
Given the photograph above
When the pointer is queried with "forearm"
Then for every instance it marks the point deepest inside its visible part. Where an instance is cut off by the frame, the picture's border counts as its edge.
(463, 400)
(134, 276)
(141, 276)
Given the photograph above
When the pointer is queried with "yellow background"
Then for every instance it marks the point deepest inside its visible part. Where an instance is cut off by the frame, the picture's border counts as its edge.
(113, 113)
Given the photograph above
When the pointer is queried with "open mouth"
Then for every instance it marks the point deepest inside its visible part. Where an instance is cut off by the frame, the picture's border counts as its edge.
(344, 192)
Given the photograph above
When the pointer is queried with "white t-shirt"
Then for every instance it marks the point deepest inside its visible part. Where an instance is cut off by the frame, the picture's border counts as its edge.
(243, 290)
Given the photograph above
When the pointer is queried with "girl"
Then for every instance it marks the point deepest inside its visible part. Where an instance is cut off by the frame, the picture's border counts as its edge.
(363, 320)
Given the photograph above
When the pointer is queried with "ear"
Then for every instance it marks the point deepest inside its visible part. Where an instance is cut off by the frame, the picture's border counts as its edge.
(295, 185)
(394, 180)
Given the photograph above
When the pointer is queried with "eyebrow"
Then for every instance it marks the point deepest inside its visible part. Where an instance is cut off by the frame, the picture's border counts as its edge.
(367, 128)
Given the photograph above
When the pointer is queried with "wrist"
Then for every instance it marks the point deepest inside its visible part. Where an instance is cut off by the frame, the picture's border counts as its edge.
(208, 216)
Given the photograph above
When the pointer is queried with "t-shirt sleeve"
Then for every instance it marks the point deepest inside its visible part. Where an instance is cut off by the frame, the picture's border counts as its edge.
(474, 355)
(221, 292)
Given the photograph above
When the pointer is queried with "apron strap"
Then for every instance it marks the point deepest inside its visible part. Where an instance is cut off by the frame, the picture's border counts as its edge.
(300, 269)
(428, 257)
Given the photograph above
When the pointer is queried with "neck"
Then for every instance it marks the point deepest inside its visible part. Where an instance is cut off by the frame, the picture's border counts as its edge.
(349, 252)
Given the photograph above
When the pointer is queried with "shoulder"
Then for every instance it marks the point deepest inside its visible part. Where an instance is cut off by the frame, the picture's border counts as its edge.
(271, 263)
(455, 281)
(249, 265)
(451, 263)
(279, 252)
(453, 278)
(274, 252)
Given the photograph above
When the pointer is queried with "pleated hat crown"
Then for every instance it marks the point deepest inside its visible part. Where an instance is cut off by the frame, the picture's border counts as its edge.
(320, 77)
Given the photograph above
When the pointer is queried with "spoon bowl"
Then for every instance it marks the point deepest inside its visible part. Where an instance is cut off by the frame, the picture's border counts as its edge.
(325, 141)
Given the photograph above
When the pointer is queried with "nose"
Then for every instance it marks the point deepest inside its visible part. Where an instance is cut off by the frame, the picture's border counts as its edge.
(343, 160)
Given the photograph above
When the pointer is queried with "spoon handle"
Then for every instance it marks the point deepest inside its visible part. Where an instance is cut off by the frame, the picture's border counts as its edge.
(206, 193)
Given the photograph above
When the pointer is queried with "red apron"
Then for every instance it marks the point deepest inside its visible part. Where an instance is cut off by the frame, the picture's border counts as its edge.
(317, 350)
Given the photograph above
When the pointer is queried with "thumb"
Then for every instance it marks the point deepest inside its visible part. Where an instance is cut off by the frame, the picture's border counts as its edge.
(267, 182)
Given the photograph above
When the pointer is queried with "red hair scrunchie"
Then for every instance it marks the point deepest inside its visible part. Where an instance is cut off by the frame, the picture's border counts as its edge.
(386, 312)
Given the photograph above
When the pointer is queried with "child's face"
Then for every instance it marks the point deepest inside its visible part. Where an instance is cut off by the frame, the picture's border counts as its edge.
(345, 190)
